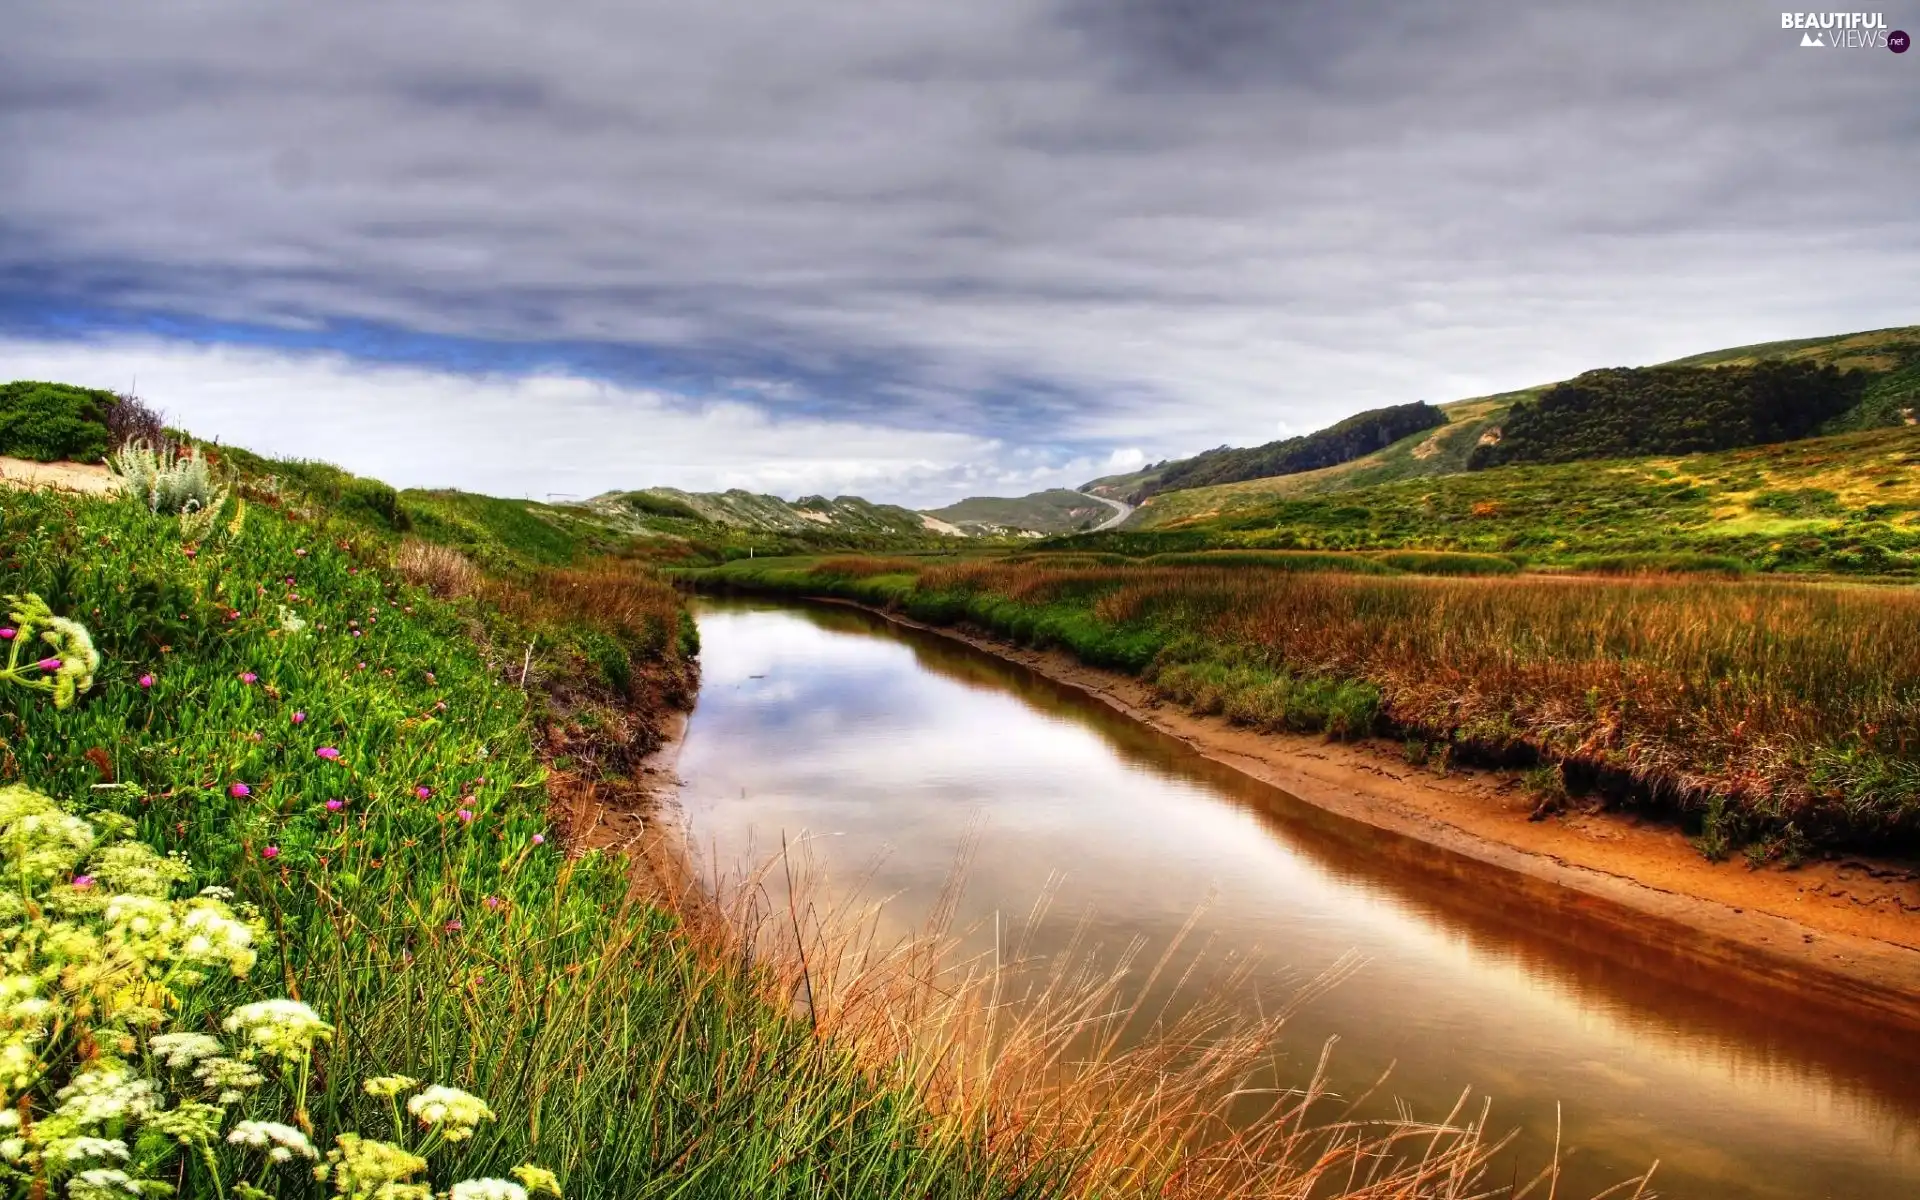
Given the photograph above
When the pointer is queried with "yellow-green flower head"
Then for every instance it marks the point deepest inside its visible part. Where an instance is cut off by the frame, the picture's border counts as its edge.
(41, 843)
(283, 1028)
(537, 1179)
(229, 1078)
(102, 1184)
(76, 1150)
(362, 1169)
(388, 1086)
(451, 1111)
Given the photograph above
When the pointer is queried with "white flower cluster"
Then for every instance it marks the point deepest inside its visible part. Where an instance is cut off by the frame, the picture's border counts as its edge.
(454, 1114)
(281, 1142)
(279, 1028)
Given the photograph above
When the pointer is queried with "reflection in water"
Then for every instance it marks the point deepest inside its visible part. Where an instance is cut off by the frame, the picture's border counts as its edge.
(890, 747)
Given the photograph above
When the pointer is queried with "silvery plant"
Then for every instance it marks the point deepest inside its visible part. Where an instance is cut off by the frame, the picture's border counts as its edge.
(169, 482)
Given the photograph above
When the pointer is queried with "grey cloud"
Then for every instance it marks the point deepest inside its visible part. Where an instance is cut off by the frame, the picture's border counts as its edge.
(1165, 223)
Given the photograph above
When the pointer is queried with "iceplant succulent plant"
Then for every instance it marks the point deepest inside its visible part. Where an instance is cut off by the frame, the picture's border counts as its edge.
(99, 1097)
(65, 668)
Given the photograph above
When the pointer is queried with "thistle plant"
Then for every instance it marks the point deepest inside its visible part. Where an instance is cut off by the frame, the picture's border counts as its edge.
(68, 670)
(100, 1097)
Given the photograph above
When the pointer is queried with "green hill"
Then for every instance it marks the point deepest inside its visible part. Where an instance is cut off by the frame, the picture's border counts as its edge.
(743, 510)
(1056, 510)
(1355, 437)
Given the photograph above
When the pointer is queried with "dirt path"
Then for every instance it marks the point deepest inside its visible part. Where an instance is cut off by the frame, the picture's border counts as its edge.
(1843, 931)
(91, 478)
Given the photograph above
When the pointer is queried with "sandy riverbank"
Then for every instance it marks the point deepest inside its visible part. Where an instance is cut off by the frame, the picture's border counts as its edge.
(1842, 932)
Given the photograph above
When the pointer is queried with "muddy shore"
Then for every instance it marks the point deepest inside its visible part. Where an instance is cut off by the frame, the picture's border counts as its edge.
(1843, 933)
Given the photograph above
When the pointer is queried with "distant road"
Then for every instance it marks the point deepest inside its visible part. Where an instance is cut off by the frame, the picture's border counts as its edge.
(1121, 511)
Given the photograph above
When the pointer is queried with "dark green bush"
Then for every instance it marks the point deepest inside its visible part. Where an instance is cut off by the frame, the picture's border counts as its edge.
(47, 422)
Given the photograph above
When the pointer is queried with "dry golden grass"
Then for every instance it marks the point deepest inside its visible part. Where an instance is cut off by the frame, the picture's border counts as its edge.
(442, 570)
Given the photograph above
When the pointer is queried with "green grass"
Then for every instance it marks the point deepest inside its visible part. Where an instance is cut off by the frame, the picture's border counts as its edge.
(612, 1048)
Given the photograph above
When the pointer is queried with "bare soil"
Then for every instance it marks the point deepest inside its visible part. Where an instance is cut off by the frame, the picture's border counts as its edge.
(90, 478)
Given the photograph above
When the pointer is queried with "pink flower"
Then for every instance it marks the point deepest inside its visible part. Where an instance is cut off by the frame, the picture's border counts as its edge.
(48, 664)
(83, 882)
(8, 634)
(248, 677)
(454, 926)
(299, 718)
(356, 633)
(539, 839)
(465, 815)
(492, 902)
(336, 805)
(328, 752)
(239, 791)
(423, 791)
(271, 852)
(190, 552)
(430, 678)
(145, 681)
(440, 705)
(359, 666)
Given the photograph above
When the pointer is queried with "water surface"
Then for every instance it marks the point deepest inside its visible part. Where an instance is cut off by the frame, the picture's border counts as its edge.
(887, 749)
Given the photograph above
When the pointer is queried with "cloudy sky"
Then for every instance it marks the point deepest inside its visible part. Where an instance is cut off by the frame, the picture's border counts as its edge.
(914, 248)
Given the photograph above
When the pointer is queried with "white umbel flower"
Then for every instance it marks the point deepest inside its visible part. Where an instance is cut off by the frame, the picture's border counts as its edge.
(487, 1189)
(75, 1150)
(453, 1112)
(102, 1184)
(283, 1028)
(179, 1050)
(281, 1142)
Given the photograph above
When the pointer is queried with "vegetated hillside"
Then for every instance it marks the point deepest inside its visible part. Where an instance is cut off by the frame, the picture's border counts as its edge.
(1358, 435)
(1891, 396)
(740, 509)
(1845, 503)
(1056, 510)
(1629, 412)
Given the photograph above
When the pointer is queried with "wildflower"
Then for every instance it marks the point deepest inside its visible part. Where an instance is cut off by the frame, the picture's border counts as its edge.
(388, 1086)
(8, 634)
(179, 1050)
(188, 1122)
(423, 791)
(440, 705)
(270, 853)
(336, 805)
(454, 1113)
(465, 815)
(215, 938)
(248, 677)
(299, 553)
(49, 665)
(328, 752)
(281, 1142)
(76, 1150)
(539, 839)
(103, 1183)
(230, 1078)
(487, 1189)
(492, 903)
(103, 1095)
(454, 926)
(283, 1028)
(145, 681)
(356, 633)
(83, 882)
(367, 1168)
(240, 791)
(537, 1179)
(299, 718)
(430, 678)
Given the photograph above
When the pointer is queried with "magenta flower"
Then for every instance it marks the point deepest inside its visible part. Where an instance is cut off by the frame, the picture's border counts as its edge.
(239, 791)
(8, 634)
(83, 882)
(328, 752)
(539, 839)
(336, 805)
(299, 718)
(271, 852)
(48, 664)
(190, 552)
(359, 666)
(356, 633)
(465, 815)
(492, 902)
(423, 791)
(145, 681)
(454, 926)
(248, 677)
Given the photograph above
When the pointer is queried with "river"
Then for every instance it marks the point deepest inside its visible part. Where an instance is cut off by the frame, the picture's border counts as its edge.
(888, 749)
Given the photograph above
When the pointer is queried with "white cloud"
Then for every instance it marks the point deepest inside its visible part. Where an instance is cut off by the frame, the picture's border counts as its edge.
(530, 435)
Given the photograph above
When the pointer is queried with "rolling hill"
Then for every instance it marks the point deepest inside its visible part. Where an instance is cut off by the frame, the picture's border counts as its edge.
(1057, 510)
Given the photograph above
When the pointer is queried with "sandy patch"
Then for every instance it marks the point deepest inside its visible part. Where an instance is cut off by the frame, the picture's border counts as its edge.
(90, 478)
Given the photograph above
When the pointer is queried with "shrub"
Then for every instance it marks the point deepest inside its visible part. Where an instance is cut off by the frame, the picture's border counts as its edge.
(442, 570)
(47, 422)
(167, 481)
(132, 419)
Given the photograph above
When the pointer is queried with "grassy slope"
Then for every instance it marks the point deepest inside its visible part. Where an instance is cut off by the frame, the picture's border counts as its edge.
(1849, 503)
(1445, 451)
(464, 953)
(738, 509)
(1057, 510)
